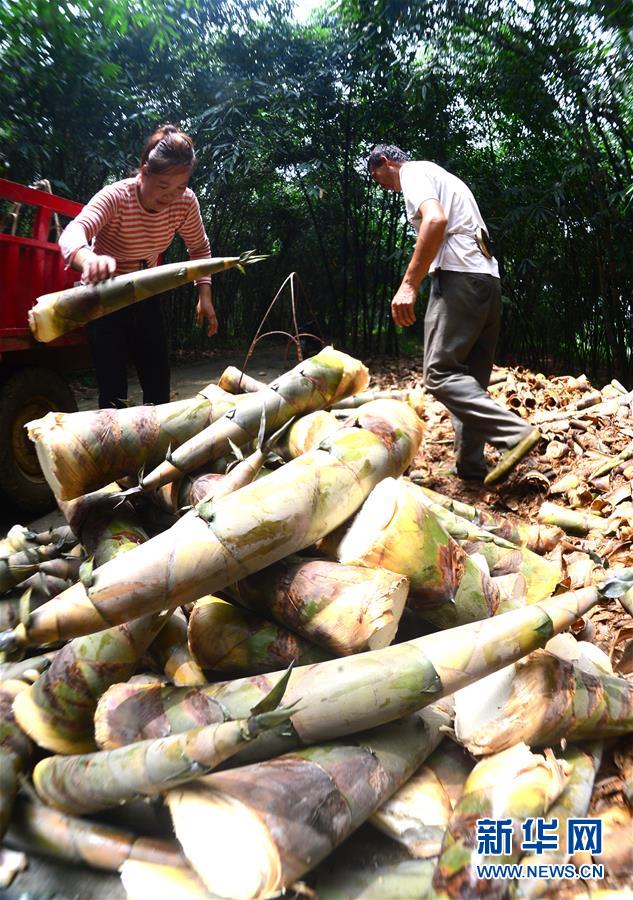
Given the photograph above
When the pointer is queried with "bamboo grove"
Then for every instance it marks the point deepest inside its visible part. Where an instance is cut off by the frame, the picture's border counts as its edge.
(317, 643)
(529, 104)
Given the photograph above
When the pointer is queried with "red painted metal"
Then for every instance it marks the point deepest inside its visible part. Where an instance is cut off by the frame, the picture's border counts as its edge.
(31, 266)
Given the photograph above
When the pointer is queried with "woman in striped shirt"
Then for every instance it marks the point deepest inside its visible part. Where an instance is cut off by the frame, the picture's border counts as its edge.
(125, 227)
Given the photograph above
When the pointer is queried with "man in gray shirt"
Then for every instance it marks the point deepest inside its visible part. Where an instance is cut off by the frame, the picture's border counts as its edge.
(463, 317)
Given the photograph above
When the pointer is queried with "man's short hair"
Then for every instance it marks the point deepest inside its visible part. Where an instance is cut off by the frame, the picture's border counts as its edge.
(392, 152)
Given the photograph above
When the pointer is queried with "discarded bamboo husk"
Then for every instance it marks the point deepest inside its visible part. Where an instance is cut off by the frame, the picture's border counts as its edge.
(15, 750)
(623, 758)
(617, 843)
(84, 451)
(292, 811)
(311, 385)
(40, 829)
(538, 538)
(417, 815)
(345, 695)
(542, 700)
(235, 381)
(396, 530)
(161, 882)
(57, 711)
(62, 311)
(397, 881)
(227, 639)
(514, 784)
(570, 520)
(263, 522)
(572, 803)
(171, 649)
(94, 781)
(344, 609)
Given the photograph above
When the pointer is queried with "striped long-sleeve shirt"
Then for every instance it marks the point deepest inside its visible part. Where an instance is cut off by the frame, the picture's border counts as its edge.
(118, 226)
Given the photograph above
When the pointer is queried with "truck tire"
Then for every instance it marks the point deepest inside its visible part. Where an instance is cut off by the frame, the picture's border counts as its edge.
(28, 394)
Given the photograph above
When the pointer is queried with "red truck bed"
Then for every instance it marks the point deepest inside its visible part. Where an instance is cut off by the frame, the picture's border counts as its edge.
(30, 266)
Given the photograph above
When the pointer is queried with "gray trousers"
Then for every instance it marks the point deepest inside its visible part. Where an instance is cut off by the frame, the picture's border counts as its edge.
(461, 329)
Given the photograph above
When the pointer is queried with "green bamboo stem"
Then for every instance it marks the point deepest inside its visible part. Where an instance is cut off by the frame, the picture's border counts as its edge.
(84, 451)
(265, 521)
(514, 784)
(609, 464)
(571, 804)
(57, 313)
(285, 815)
(36, 828)
(571, 520)
(311, 385)
(344, 609)
(230, 640)
(94, 781)
(341, 696)
(542, 700)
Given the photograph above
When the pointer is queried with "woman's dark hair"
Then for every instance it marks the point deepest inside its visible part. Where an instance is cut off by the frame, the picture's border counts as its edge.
(168, 148)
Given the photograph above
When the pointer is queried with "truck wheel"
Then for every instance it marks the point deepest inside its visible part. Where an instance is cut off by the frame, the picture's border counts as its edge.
(28, 394)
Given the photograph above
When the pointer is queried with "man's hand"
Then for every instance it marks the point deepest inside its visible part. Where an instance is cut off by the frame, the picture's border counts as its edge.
(403, 305)
(205, 312)
(95, 268)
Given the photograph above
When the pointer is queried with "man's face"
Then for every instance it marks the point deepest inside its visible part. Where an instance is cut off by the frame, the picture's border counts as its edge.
(387, 174)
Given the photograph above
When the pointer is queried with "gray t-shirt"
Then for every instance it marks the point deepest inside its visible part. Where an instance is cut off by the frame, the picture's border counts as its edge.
(459, 252)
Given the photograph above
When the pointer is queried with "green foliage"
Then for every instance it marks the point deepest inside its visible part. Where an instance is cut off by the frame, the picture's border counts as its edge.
(530, 103)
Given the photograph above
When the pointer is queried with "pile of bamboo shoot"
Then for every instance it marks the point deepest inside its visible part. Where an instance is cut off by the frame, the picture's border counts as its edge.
(282, 631)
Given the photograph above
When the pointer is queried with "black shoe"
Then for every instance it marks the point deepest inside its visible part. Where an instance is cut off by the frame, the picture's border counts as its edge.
(469, 476)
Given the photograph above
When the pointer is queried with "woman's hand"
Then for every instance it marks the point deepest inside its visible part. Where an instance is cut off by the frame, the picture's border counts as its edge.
(205, 311)
(95, 268)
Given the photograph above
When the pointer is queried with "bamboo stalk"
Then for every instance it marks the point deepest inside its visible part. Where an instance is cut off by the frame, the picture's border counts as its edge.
(39, 829)
(311, 385)
(570, 520)
(344, 609)
(26, 669)
(341, 696)
(284, 815)
(572, 803)
(417, 815)
(263, 522)
(542, 700)
(609, 464)
(538, 538)
(395, 528)
(83, 451)
(230, 640)
(57, 710)
(90, 782)
(515, 784)
(171, 649)
(62, 311)
(235, 381)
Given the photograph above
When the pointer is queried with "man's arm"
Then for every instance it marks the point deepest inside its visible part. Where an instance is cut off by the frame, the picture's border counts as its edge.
(429, 239)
